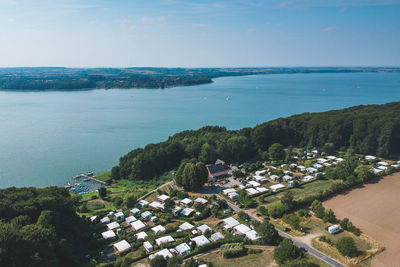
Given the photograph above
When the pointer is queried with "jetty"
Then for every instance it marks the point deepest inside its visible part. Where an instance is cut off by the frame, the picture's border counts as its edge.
(90, 176)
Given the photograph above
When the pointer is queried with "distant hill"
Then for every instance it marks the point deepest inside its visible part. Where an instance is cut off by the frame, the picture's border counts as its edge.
(58, 78)
(372, 129)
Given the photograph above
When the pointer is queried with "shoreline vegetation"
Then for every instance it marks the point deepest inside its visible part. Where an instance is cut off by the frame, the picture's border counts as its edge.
(71, 79)
(51, 223)
(368, 130)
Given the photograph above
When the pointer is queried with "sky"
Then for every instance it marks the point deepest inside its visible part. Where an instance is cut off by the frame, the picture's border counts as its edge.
(203, 33)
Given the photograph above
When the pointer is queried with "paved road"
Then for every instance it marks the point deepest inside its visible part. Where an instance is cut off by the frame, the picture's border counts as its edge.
(309, 249)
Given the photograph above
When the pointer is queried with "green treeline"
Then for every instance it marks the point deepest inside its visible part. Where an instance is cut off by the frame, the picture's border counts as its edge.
(372, 129)
(93, 78)
(40, 227)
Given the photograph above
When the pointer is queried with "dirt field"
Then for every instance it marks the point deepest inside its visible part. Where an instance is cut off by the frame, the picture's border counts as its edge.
(375, 209)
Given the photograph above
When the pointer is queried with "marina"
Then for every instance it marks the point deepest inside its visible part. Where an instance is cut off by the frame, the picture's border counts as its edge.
(84, 183)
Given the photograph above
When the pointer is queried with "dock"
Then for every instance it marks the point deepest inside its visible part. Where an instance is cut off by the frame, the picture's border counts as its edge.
(89, 177)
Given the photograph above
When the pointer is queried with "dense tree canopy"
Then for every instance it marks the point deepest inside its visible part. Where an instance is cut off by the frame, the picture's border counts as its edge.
(287, 251)
(347, 246)
(373, 129)
(40, 227)
(191, 175)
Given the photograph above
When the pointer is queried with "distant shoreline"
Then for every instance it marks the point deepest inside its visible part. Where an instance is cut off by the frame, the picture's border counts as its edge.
(77, 79)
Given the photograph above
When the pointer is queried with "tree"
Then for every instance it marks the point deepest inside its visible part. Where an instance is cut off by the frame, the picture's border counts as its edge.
(130, 200)
(364, 173)
(303, 213)
(158, 261)
(329, 216)
(191, 263)
(287, 251)
(328, 148)
(191, 175)
(269, 235)
(344, 222)
(238, 174)
(288, 199)
(174, 262)
(347, 246)
(276, 151)
(293, 220)
(277, 210)
(243, 216)
(102, 192)
(318, 209)
(169, 205)
(115, 173)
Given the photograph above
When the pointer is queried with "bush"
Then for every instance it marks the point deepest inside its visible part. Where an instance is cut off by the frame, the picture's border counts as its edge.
(346, 224)
(303, 213)
(287, 251)
(254, 251)
(242, 216)
(326, 240)
(347, 246)
(102, 192)
(262, 210)
(329, 216)
(277, 210)
(182, 195)
(292, 220)
(318, 209)
(233, 250)
(158, 261)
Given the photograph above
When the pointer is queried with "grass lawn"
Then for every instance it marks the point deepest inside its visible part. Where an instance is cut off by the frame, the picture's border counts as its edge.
(301, 192)
(104, 176)
(318, 227)
(252, 260)
(95, 204)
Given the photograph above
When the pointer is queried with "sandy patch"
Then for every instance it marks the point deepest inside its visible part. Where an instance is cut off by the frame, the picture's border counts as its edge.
(375, 209)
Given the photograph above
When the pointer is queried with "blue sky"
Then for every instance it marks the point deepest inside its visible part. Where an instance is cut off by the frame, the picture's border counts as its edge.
(170, 33)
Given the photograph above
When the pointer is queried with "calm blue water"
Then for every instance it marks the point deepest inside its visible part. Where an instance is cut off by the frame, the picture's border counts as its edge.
(47, 137)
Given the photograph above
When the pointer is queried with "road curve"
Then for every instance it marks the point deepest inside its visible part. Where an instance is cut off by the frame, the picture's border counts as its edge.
(309, 249)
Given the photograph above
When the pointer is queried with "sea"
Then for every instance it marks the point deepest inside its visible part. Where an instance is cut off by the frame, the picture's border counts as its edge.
(48, 137)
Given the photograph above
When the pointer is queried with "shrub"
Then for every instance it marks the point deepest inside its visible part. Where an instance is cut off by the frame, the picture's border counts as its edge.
(287, 251)
(346, 224)
(262, 210)
(303, 213)
(232, 250)
(292, 220)
(102, 192)
(347, 246)
(318, 209)
(254, 251)
(326, 240)
(329, 216)
(242, 216)
(277, 210)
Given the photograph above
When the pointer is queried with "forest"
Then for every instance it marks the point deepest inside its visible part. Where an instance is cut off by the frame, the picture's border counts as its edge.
(371, 129)
(40, 227)
(58, 78)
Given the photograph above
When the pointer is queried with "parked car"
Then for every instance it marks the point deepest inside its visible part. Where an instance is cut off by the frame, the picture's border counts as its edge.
(286, 229)
(303, 249)
(266, 219)
(258, 215)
